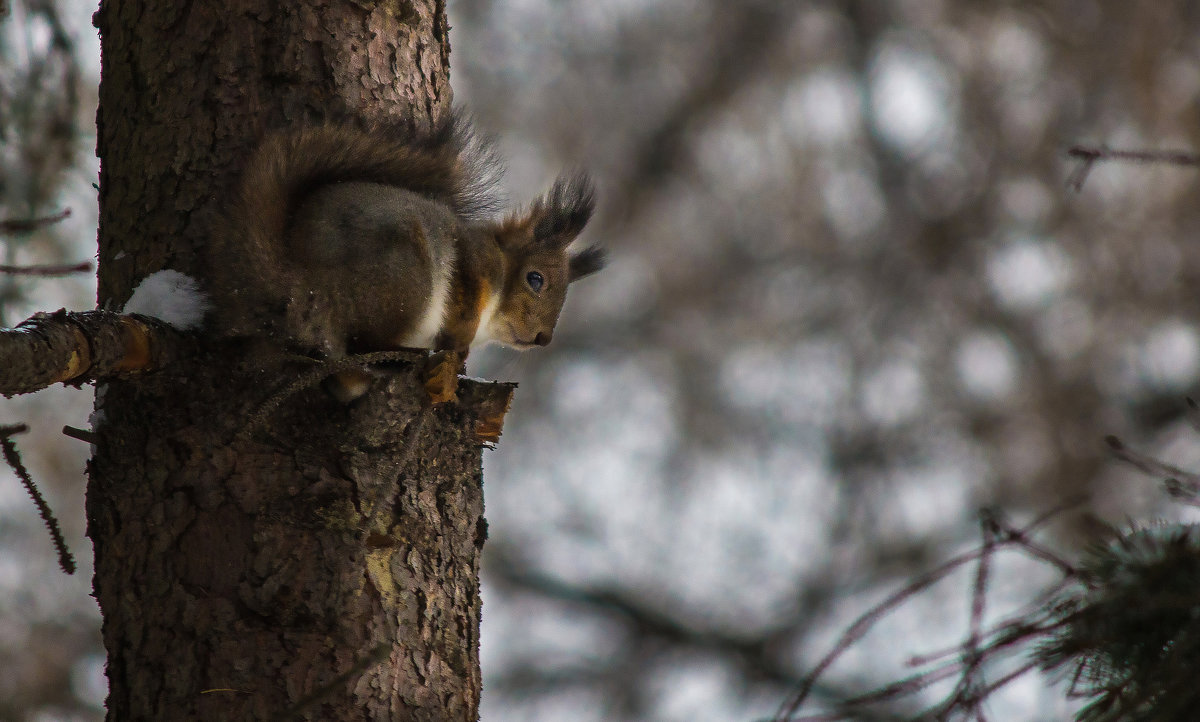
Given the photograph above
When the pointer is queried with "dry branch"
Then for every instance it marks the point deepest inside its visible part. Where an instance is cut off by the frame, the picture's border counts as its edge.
(1088, 156)
(48, 270)
(77, 347)
(12, 226)
(8, 449)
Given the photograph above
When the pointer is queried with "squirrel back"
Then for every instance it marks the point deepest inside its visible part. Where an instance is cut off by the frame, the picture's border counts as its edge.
(349, 239)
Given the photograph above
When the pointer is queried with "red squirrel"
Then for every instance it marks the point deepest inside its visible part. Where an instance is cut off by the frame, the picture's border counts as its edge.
(348, 240)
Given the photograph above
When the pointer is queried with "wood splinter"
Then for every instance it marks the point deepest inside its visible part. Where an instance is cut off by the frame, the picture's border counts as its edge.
(441, 376)
(491, 403)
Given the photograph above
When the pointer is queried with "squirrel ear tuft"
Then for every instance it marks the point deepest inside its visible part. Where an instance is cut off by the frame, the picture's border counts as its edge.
(565, 210)
(586, 262)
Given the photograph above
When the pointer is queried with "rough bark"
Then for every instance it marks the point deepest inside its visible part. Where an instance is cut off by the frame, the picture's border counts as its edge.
(325, 565)
(65, 347)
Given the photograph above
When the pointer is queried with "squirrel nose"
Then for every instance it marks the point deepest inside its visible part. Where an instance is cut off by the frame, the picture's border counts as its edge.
(542, 338)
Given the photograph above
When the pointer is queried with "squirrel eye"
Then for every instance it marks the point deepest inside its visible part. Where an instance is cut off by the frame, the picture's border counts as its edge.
(535, 280)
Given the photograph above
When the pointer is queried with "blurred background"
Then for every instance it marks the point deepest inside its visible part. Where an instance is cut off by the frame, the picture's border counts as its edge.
(852, 302)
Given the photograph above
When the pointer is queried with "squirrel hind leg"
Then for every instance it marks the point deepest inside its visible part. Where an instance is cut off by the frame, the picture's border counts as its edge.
(350, 384)
(440, 377)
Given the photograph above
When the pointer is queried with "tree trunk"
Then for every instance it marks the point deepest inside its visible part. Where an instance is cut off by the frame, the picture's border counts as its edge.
(320, 562)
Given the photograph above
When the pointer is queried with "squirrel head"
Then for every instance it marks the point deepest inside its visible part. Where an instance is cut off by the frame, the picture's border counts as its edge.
(538, 265)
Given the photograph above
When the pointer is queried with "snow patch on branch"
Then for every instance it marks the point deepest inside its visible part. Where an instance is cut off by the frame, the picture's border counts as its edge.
(170, 296)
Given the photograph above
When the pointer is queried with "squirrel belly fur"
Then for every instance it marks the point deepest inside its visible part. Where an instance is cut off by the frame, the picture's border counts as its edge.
(345, 239)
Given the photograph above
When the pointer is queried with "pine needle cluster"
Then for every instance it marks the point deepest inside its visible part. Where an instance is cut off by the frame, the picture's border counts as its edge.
(1129, 634)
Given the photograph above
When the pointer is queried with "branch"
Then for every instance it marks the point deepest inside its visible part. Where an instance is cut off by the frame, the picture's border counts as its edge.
(15, 226)
(13, 458)
(755, 653)
(1090, 155)
(52, 270)
(11, 226)
(78, 347)
(997, 535)
(1169, 157)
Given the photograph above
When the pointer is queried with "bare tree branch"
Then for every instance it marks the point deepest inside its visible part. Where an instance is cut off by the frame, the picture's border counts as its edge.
(77, 347)
(14, 226)
(51, 270)
(1088, 156)
(13, 458)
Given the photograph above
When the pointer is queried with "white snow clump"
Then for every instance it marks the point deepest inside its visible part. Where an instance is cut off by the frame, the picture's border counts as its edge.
(170, 296)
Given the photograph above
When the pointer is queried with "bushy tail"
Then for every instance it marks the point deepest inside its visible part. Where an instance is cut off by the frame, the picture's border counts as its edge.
(449, 164)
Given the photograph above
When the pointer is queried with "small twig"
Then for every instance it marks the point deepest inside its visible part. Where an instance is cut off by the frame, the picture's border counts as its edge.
(27, 225)
(52, 270)
(1184, 492)
(65, 560)
(1170, 157)
(859, 628)
(1192, 413)
(1148, 464)
(972, 656)
(999, 536)
(1179, 484)
(81, 434)
(312, 378)
(1090, 155)
(376, 655)
(1036, 551)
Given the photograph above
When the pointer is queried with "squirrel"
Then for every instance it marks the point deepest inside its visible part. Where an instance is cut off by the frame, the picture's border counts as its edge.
(344, 239)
